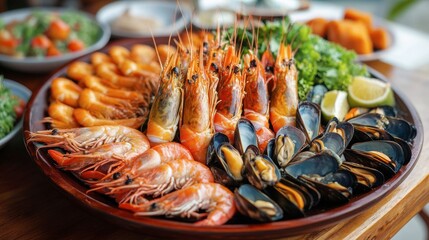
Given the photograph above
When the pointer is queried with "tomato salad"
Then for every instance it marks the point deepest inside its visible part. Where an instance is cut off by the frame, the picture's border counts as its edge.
(45, 34)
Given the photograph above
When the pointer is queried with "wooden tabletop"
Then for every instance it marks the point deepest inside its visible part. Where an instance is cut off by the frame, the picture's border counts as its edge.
(33, 208)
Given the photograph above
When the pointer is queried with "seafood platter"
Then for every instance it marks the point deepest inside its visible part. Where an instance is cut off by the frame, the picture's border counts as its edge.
(203, 135)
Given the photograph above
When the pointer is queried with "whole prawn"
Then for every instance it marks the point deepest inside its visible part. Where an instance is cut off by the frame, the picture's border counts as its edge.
(284, 98)
(91, 147)
(197, 128)
(256, 101)
(214, 198)
(167, 106)
(134, 186)
(231, 92)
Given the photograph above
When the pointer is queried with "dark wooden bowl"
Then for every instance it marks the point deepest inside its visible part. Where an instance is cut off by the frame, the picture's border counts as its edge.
(175, 229)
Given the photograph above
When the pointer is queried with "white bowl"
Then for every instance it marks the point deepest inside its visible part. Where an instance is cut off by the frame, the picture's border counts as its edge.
(46, 64)
(23, 93)
(171, 17)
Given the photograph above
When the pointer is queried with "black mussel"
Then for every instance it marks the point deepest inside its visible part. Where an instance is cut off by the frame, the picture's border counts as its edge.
(406, 148)
(308, 119)
(220, 176)
(320, 164)
(387, 111)
(329, 196)
(330, 140)
(354, 112)
(389, 152)
(303, 156)
(269, 149)
(231, 161)
(256, 205)
(244, 135)
(315, 195)
(260, 170)
(289, 141)
(341, 180)
(395, 126)
(291, 197)
(367, 133)
(345, 129)
(217, 139)
(315, 95)
(370, 160)
(366, 176)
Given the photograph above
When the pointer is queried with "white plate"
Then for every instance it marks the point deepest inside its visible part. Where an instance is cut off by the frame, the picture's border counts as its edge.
(170, 17)
(23, 93)
(333, 12)
(45, 64)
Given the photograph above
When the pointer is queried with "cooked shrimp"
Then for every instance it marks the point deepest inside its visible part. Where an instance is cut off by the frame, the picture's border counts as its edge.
(86, 119)
(167, 106)
(231, 93)
(284, 98)
(66, 91)
(143, 54)
(197, 120)
(118, 54)
(102, 106)
(91, 146)
(95, 83)
(165, 51)
(155, 182)
(256, 101)
(153, 157)
(99, 57)
(61, 116)
(268, 63)
(216, 199)
(78, 70)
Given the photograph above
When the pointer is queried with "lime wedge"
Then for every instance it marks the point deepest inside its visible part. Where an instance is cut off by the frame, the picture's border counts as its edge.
(334, 104)
(369, 93)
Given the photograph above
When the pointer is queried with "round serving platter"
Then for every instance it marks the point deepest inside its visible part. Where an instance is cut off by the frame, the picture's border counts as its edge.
(176, 229)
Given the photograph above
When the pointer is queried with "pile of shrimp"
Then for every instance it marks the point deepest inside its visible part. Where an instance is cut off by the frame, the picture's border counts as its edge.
(113, 88)
(205, 86)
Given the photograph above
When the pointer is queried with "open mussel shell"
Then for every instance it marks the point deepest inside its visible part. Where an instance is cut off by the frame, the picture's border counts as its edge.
(367, 133)
(395, 126)
(292, 197)
(341, 180)
(406, 148)
(229, 160)
(390, 149)
(367, 178)
(316, 93)
(320, 164)
(330, 140)
(387, 111)
(289, 141)
(244, 135)
(260, 170)
(256, 205)
(345, 129)
(369, 160)
(308, 119)
(217, 139)
(329, 197)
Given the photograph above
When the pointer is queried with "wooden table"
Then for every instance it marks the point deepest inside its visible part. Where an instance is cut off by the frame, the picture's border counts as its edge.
(32, 208)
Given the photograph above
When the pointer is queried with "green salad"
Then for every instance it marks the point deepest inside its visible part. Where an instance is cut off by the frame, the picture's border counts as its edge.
(317, 60)
(44, 34)
(8, 114)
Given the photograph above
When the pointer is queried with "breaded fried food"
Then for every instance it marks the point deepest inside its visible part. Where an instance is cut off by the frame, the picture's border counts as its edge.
(380, 38)
(319, 26)
(356, 15)
(351, 35)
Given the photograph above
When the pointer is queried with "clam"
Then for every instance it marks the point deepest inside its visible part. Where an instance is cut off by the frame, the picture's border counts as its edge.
(256, 205)
(308, 119)
(244, 135)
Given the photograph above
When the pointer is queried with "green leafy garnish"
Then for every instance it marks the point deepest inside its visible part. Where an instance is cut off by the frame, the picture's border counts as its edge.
(317, 60)
(7, 112)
